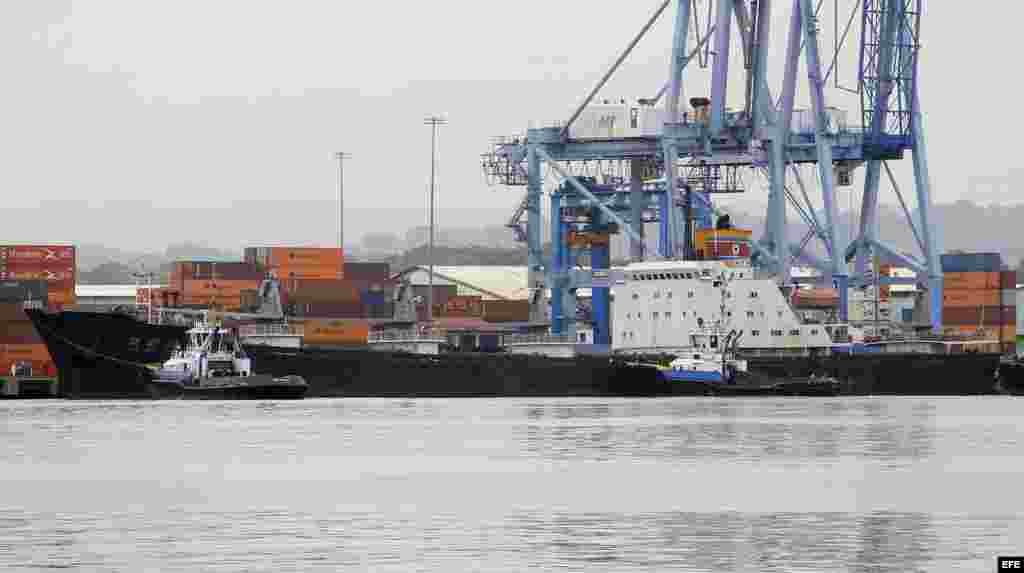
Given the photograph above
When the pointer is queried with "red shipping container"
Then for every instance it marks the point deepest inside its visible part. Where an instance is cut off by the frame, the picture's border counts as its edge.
(37, 253)
(60, 276)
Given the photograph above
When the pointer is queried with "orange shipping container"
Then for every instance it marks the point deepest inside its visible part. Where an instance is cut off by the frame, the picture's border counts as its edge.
(61, 297)
(337, 332)
(210, 288)
(971, 281)
(954, 298)
(35, 352)
(322, 272)
(305, 256)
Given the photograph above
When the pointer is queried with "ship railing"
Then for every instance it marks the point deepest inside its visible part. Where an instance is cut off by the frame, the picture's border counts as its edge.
(538, 339)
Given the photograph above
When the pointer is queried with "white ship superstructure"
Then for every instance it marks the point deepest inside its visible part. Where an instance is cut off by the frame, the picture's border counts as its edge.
(658, 305)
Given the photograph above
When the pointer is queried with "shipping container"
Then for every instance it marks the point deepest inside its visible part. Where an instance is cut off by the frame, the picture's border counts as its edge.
(970, 298)
(328, 309)
(367, 271)
(17, 291)
(38, 254)
(321, 290)
(12, 312)
(217, 270)
(335, 332)
(50, 276)
(61, 297)
(463, 306)
(1008, 280)
(299, 256)
(217, 287)
(506, 310)
(36, 352)
(250, 299)
(307, 272)
(971, 262)
(979, 316)
(970, 281)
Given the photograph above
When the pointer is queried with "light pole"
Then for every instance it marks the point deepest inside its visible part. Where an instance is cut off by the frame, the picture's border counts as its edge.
(433, 122)
(341, 156)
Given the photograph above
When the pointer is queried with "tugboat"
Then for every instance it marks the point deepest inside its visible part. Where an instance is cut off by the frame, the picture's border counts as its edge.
(710, 366)
(213, 365)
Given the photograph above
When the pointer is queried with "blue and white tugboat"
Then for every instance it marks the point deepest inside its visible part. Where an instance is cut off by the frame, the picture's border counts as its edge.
(213, 365)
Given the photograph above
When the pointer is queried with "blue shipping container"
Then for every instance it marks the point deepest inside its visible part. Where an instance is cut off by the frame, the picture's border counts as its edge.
(373, 298)
(908, 315)
(971, 263)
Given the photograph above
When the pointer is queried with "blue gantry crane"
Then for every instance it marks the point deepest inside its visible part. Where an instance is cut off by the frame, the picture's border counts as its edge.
(678, 159)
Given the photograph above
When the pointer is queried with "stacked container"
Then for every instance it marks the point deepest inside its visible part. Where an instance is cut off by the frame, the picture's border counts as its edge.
(217, 284)
(506, 310)
(978, 296)
(19, 341)
(298, 262)
(723, 244)
(52, 264)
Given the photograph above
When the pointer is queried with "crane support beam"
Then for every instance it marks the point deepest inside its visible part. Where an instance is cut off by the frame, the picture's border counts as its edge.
(720, 70)
(825, 160)
(582, 190)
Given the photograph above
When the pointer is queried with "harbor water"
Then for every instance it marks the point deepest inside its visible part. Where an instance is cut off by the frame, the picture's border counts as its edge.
(894, 484)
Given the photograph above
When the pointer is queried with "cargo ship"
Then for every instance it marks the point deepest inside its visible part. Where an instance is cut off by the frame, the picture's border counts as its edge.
(657, 304)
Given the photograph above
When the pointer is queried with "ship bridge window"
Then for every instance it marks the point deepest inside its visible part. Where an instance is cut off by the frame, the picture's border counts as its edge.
(657, 294)
(636, 296)
(668, 294)
(794, 332)
(634, 117)
(654, 316)
(776, 333)
(668, 315)
(134, 343)
(780, 314)
(716, 284)
(684, 314)
(755, 332)
(689, 275)
(814, 331)
(689, 294)
(714, 342)
(729, 313)
(753, 294)
(750, 314)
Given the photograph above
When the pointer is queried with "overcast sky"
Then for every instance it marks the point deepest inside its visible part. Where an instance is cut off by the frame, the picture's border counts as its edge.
(189, 103)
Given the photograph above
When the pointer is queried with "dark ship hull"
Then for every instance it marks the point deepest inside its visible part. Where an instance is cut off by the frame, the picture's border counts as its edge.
(104, 355)
(370, 373)
(902, 374)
